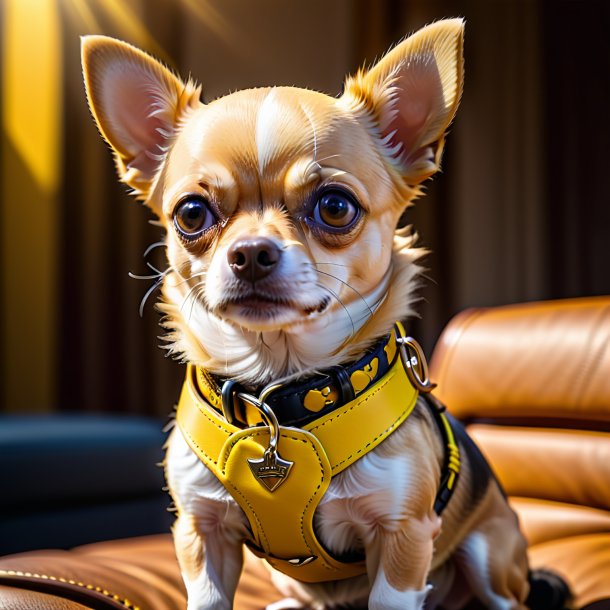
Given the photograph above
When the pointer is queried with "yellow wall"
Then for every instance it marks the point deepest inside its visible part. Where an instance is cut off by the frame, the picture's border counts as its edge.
(31, 163)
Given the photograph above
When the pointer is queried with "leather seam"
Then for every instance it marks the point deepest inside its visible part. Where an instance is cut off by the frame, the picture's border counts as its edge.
(387, 431)
(357, 404)
(375, 438)
(260, 528)
(211, 459)
(211, 419)
(302, 516)
(61, 587)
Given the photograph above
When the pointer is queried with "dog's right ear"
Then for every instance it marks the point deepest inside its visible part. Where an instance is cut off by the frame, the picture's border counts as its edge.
(137, 104)
(410, 97)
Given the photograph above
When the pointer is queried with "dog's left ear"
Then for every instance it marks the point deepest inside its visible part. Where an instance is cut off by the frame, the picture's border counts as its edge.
(412, 95)
(137, 104)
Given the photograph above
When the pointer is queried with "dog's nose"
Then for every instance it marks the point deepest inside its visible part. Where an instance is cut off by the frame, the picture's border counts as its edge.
(253, 259)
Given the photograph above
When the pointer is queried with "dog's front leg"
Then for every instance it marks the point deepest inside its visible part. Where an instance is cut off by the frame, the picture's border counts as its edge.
(210, 565)
(398, 563)
(208, 532)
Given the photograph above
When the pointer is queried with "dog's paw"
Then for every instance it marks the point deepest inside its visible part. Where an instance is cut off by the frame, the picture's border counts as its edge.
(548, 591)
(288, 603)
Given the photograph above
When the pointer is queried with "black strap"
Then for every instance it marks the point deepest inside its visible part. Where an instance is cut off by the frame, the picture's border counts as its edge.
(450, 470)
(290, 402)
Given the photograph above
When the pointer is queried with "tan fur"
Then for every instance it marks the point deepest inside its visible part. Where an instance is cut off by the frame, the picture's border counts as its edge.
(260, 160)
(189, 546)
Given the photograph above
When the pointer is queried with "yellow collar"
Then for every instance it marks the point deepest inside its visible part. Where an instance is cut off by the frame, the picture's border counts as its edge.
(278, 474)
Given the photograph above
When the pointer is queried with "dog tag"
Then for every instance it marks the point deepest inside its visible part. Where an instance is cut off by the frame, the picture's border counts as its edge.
(270, 470)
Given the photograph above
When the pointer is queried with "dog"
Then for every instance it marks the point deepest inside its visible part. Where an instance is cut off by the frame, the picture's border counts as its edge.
(286, 277)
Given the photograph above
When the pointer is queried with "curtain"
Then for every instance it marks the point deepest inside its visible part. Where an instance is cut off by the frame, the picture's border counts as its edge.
(520, 211)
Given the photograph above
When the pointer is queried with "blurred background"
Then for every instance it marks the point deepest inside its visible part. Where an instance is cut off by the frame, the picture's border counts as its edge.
(520, 212)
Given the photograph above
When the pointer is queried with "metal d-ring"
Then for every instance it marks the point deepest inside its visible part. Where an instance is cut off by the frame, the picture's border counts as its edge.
(414, 362)
(270, 470)
(268, 415)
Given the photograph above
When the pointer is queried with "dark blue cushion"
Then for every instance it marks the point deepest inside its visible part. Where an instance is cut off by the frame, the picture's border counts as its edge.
(79, 478)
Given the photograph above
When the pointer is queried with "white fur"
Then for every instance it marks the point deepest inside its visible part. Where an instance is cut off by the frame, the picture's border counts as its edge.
(200, 492)
(288, 603)
(475, 553)
(357, 505)
(267, 125)
(385, 597)
(360, 501)
(248, 355)
(219, 520)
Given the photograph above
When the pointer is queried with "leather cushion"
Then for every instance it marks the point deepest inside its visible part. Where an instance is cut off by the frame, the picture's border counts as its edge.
(56, 459)
(546, 360)
(584, 562)
(542, 521)
(141, 570)
(19, 599)
(145, 571)
(39, 526)
(562, 465)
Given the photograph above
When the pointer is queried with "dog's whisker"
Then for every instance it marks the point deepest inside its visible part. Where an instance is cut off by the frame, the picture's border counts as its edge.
(157, 244)
(336, 297)
(147, 294)
(135, 276)
(371, 312)
(429, 278)
(184, 280)
(197, 297)
(151, 266)
(194, 299)
(334, 264)
(195, 293)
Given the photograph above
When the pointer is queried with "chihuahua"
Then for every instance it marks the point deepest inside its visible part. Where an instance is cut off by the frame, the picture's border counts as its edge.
(286, 267)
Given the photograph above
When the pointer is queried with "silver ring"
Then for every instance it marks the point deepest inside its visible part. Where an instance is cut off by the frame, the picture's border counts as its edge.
(268, 415)
(415, 365)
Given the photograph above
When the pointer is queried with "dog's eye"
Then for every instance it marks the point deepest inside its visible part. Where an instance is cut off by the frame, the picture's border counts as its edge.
(193, 216)
(336, 210)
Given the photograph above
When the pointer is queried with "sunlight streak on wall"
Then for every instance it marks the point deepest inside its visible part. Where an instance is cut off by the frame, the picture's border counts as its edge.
(32, 83)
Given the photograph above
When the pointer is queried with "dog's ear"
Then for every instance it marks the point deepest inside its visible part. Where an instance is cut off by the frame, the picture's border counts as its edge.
(137, 104)
(412, 95)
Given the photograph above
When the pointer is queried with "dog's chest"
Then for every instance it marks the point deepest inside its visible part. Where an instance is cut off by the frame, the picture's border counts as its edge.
(370, 494)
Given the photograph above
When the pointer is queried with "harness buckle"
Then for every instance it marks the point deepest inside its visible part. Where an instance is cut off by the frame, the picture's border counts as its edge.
(414, 362)
(270, 470)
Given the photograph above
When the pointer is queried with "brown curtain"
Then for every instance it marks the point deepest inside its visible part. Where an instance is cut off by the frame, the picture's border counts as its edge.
(520, 212)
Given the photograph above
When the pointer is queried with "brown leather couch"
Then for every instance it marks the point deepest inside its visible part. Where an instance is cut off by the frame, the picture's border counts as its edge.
(532, 382)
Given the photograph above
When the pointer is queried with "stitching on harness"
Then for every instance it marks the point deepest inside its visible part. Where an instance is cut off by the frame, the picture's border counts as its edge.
(213, 422)
(185, 431)
(252, 435)
(365, 448)
(315, 493)
(260, 525)
(210, 418)
(388, 429)
(302, 520)
(328, 421)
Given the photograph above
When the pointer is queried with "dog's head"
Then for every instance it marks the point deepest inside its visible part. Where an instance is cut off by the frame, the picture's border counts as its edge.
(280, 204)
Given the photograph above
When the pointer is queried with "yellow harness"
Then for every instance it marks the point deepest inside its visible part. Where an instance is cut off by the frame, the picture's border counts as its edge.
(278, 474)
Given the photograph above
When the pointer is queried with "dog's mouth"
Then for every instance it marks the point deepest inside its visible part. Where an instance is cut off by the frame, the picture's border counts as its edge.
(258, 306)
